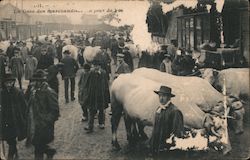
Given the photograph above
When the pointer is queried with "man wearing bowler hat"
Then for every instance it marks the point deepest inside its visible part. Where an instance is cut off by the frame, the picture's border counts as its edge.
(13, 109)
(42, 114)
(168, 121)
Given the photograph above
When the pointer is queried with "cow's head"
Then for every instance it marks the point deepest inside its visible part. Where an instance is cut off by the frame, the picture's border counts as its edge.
(211, 75)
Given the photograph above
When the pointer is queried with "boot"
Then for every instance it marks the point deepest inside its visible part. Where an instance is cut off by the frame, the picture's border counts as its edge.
(39, 153)
(50, 152)
(38, 156)
(12, 154)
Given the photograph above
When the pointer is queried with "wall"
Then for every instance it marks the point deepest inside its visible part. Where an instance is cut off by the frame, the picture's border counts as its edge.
(172, 25)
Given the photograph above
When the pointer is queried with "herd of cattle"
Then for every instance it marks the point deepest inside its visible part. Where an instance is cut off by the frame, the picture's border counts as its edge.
(201, 100)
(202, 105)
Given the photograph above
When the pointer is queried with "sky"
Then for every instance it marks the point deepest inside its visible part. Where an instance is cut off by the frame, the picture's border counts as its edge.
(130, 13)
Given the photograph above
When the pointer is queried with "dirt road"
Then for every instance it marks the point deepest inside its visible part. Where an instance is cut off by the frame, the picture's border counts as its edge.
(72, 142)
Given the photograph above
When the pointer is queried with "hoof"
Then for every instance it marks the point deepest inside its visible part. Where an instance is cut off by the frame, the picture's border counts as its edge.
(116, 146)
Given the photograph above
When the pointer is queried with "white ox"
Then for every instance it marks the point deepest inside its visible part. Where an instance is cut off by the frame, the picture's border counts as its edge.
(4, 45)
(72, 49)
(198, 90)
(236, 80)
(134, 95)
(90, 53)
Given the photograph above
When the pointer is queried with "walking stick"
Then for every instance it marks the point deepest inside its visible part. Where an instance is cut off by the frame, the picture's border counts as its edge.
(2, 149)
(226, 111)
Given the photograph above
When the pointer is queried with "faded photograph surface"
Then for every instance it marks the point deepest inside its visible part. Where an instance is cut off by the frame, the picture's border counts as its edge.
(120, 79)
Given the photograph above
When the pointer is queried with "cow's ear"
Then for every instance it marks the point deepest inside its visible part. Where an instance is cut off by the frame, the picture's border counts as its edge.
(215, 73)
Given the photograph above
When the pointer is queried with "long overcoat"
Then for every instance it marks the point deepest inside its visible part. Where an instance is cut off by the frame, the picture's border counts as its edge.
(43, 112)
(168, 121)
(98, 95)
(30, 67)
(13, 114)
(17, 66)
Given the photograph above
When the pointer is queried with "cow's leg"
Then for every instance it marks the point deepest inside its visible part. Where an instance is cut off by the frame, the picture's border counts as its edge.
(142, 134)
(128, 124)
(115, 119)
(135, 134)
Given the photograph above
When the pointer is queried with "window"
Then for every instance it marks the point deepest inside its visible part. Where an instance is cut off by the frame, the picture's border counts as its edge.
(193, 30)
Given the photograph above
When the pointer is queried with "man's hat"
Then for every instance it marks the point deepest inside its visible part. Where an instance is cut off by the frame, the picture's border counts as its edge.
(120, 55)
(17, 49)
(121, 45)
(9, 77)
(126, 48)
(165, 90)
(39, 75)
(167, 55)
(86, 66)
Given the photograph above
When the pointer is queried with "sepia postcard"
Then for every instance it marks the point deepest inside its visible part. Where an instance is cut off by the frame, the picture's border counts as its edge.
(124, 79)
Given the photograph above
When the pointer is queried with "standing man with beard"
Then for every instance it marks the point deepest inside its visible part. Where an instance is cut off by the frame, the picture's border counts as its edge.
(42, 114)
(13, 114)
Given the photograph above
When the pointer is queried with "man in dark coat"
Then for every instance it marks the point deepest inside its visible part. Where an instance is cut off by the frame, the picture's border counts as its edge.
(42, 114)
(45, 60)
(36, 49)
(122, 67)
(128, 58)
(69, 70)
(168, 121)
(114, 48)
(59, 46)
(52, 79)
(10, 50)
(82, 88)
(105, 62)
(3, 63)
(13, 114)
(98, 95)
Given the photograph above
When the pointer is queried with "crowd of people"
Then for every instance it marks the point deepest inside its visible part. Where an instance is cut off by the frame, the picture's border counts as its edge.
(32, 112)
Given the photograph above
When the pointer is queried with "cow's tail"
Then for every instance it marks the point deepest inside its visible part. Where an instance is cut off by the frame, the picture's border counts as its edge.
(116, 108)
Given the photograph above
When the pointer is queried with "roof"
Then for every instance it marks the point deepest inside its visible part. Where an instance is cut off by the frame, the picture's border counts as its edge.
(8, 13)
(49, 19)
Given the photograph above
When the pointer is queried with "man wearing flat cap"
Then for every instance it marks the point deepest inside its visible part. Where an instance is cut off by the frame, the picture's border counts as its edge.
(128, 58)
(43, 111)
(168, 121)
(13, 111)
(122, 66)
